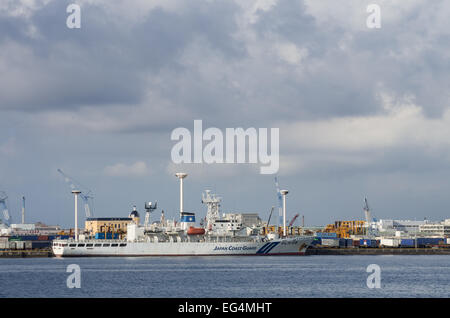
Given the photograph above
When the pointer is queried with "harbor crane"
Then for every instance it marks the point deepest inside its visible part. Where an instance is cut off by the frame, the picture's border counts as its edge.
(270, 215)
(86, 194)
(4, 206)
(369, 218)
(280, 202)
(293, 220)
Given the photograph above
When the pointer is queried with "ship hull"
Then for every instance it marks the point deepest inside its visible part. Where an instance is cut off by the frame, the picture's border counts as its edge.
(291, 246)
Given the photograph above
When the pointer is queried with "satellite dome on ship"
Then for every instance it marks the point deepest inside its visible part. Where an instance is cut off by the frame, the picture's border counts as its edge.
(134, 213)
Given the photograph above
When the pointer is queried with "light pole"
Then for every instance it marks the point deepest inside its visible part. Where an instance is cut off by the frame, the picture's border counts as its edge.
(283, 193)
(76, 193)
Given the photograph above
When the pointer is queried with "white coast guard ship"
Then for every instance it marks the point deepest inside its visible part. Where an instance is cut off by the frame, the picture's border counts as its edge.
(232, 234)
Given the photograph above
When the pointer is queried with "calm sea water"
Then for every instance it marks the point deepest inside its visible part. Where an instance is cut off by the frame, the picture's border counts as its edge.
(277, 276)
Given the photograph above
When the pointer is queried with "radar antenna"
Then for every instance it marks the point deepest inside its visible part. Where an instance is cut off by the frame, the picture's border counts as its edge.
(149, 208)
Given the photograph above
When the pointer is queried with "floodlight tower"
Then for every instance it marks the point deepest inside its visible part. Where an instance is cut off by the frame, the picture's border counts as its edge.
(181, 176)
(23, 209)
(283, 193)
(76, 193)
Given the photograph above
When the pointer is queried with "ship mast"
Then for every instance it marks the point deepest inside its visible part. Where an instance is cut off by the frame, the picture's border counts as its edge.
(213, 204)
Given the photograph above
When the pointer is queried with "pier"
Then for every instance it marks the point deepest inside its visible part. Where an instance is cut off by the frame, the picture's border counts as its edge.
(26, 253)
(378, 251)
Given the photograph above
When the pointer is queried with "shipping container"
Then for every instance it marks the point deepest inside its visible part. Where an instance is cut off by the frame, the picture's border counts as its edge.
(20, 245)
(390, 242)
(428, 241)
(408, 242)
(24, 238)
(356, 243)
(368, 243)
(41, 244)
(63, 237)
(330, 242)
(109, 236)
(28, 245)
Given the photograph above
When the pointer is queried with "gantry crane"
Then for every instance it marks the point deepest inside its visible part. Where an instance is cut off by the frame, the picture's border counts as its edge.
(86, 194)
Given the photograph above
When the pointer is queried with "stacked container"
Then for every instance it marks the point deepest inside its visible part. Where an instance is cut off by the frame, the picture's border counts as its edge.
(330, 242)
(408, 243)
(109, 236)
(390, 242)
(368, 243)
(426, 241)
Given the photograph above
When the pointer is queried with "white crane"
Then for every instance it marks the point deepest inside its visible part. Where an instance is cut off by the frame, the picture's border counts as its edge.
(4, 206)
(369, 219)
(86, 194)
(280, 203)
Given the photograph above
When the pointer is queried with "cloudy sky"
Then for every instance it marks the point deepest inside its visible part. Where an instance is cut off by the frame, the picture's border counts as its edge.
(361, 112)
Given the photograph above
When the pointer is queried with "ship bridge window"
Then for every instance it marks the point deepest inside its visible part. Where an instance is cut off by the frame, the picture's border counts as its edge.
(98, 245)
(80, 245)
(89, 245)
(123, 244)
(114, 245)
(105, 245)
(72, 245)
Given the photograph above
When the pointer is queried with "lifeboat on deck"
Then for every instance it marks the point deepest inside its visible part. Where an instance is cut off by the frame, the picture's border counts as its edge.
(195, 231)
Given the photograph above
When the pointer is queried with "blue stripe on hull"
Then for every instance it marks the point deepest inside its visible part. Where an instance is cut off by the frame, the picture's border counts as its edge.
(266, 248)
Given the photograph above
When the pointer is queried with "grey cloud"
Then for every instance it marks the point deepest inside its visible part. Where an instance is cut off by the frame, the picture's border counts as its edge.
(106, 61)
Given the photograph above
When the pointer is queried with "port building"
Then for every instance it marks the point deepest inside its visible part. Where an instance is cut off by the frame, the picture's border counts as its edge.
(441, 229)
(107, 224)
(111, 224)
(392, 226)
